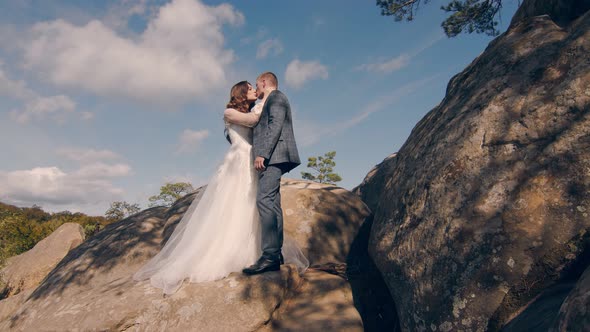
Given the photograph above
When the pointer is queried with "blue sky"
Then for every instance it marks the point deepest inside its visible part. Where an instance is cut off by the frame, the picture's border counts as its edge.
(108, 100)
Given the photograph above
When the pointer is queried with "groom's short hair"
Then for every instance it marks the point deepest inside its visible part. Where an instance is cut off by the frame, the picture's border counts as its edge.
(270, 78)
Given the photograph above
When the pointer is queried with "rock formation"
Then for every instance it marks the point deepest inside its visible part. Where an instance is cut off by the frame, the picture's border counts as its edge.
(561, 12)
(26, 270)
(92, 287)
(373, 184)
(323, 219)
(486, 204)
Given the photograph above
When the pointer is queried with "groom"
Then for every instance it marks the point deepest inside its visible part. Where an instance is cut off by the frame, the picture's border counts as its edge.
(275, 152)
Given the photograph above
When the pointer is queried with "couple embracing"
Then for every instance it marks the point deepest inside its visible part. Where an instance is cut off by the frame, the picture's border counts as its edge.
(238, 223)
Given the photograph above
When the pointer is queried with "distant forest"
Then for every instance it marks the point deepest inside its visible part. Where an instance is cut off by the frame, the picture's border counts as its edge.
(22, 227)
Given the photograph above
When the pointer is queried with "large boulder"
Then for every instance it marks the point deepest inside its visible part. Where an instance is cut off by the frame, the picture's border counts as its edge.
(9, 305)
(373, 184)
(26, 270)
(486, 204)
(561, 12)
(313, 306)
(92, 287)
(323, 219)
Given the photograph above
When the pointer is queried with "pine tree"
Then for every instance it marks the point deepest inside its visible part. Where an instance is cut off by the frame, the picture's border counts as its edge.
(323, 167)
(466, 15)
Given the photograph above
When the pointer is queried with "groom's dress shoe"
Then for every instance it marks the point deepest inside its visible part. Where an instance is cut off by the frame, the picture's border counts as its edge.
(263, 265)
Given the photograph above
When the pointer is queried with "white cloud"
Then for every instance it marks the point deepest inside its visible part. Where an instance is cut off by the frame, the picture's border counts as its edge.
(299, 72)
(318, 21)
(52, 187)
(86, 156)
(311, 132)
(386, 66)
(88, 188)
(39, 108)
(119, 12)
(13, 89)
(260, 34)
(87, 115)
(102, 170)
(269, 47)
(12, 37)
(190, 140)
(180, 56)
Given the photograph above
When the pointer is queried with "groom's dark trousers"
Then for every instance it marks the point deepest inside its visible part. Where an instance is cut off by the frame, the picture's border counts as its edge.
(269, 207)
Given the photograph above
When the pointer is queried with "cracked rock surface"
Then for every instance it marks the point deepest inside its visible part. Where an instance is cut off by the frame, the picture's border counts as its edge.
(488, 201)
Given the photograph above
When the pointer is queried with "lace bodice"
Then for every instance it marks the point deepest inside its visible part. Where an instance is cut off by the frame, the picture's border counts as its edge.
(242, 134)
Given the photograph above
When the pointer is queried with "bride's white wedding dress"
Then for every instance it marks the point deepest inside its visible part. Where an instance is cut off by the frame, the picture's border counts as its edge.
(219, 234)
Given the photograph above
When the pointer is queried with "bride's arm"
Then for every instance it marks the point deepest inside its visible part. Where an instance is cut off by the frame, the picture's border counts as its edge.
(245, 119)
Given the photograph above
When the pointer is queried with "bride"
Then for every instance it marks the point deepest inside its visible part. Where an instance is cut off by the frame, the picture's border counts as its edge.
(220, 233)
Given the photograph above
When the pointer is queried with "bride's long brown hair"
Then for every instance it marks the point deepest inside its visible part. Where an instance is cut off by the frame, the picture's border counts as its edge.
(237, 97)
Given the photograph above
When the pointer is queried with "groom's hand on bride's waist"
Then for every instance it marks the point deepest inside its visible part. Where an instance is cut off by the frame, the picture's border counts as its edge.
(259, 163)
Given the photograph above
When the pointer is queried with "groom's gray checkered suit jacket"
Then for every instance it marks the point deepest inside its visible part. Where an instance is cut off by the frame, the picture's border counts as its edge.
(273, 136)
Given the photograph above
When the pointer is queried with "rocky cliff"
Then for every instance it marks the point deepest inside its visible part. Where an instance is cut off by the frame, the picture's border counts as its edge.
(486, 204)
(92, 287)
